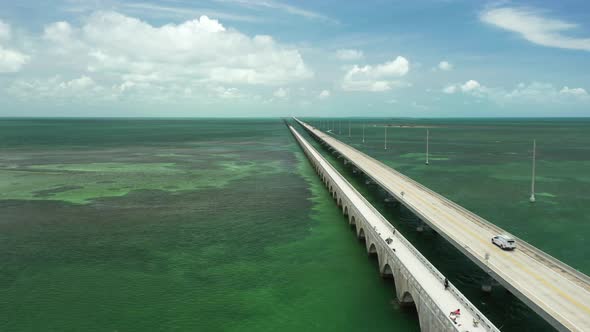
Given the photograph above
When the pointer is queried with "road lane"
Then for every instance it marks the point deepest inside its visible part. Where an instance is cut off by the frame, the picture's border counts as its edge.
(556, 293)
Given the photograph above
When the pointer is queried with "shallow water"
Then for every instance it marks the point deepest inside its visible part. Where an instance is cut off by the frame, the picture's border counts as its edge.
(221, 225)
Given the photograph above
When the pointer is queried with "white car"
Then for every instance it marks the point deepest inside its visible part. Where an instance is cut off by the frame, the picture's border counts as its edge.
(504, 241)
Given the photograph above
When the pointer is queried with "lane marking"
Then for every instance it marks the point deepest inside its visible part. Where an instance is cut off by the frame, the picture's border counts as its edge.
(403, 184)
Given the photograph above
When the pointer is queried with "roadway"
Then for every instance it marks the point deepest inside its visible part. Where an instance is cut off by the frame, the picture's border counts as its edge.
(557, 292)
(429, 278)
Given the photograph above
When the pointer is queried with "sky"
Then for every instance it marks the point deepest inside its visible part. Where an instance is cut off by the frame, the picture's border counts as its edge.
(267, 58)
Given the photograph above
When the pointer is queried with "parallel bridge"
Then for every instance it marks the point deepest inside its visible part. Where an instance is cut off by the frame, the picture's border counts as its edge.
(416, 280)
(557, 292)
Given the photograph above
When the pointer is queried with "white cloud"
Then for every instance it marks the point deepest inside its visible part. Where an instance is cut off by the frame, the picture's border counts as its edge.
(382, 77)
(532, 93)
(271, 4)
(55, 87)
(201, 50)
(10, 60)
(281, 93)
(152, 10)
(349, 54)
(450, 89)
(5, 31)
(574, 91)
(59, 32)
(324, 94)
(227, 93)
(445, 65)
(536, 28)
(470, 85)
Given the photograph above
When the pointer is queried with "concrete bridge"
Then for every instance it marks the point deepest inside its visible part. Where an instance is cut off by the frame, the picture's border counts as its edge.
(417, 282)
(557, 292)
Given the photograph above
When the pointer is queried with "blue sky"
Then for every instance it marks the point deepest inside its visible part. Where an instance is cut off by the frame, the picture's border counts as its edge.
(437, 58)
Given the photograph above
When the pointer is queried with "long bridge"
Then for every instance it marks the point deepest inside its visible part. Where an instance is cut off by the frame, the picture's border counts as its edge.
(557, 292)
(416, 280)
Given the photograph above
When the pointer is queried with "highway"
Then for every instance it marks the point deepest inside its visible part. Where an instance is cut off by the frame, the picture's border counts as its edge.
(557, 292)
(431, 282)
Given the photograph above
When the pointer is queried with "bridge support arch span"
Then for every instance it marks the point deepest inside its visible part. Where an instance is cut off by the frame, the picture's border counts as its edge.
(416, 280)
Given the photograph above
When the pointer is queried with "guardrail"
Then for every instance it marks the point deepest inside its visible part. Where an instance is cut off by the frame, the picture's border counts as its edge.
(482, 319)
(574, 274)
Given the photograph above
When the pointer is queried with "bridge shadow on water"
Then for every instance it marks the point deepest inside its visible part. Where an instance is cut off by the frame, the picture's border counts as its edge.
(505, 310)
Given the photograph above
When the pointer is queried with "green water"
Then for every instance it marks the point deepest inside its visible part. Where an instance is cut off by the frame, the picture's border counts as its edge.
(222, 225)
(485, 165)
(190, 225)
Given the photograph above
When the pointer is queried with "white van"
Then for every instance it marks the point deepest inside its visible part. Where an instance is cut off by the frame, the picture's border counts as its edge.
(504, 242)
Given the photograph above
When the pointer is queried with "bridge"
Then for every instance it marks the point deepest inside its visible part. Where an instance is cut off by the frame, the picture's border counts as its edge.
(416, 280)
(557, 292)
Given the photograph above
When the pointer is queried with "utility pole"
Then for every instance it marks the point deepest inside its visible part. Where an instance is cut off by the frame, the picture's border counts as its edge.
(385, 141)
(363, 133)
(427, 137)
(349, 125)
(532, 198)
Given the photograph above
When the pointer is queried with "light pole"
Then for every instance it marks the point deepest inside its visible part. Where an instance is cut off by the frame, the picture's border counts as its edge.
(427, 137)
(385, 140)
(532, 198)
(349, 125)
(363, 133)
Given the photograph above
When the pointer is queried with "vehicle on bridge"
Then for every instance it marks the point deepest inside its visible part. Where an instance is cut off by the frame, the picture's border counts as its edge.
(504, 241)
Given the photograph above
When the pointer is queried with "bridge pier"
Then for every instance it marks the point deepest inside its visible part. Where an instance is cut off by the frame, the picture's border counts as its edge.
(487, 283)
(415, 287)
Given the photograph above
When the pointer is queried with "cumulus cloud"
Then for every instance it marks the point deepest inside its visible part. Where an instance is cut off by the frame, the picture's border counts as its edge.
(281, 93)
(227, 93)
(324, 94)
(532, 93)
(445, 65)
(5, 31)
(55, 87)
(11, 60)
(450, 89)
(349, 54)
(538, 92)
(535, 27)
(382, 77)
(580, 92)
(471, 86)
(200, 50)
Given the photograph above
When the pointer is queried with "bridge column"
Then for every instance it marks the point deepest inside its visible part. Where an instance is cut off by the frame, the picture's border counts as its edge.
(421, 226)
(487, 284)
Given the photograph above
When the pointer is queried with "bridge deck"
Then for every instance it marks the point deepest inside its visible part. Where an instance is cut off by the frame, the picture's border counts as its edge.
(425, 273)
(556, 291)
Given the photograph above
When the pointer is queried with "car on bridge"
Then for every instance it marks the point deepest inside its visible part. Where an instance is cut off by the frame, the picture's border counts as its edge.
(504, 241)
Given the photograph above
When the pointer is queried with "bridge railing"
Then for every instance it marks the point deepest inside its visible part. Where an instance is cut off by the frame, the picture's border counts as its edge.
(482, 319)
(580, 277)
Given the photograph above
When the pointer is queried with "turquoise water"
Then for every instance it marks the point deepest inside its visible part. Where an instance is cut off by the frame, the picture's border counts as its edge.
(221, 225)
(176, 226)
(485, 165)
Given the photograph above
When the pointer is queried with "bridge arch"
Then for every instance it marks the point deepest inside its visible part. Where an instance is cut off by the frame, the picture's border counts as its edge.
(352, 220)
(372, 249)
(406, 298)
(387, 271)
(361, 234)
(339, 201)
(345, 210)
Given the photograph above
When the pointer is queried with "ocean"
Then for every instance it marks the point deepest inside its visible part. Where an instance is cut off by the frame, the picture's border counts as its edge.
(222, 225)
